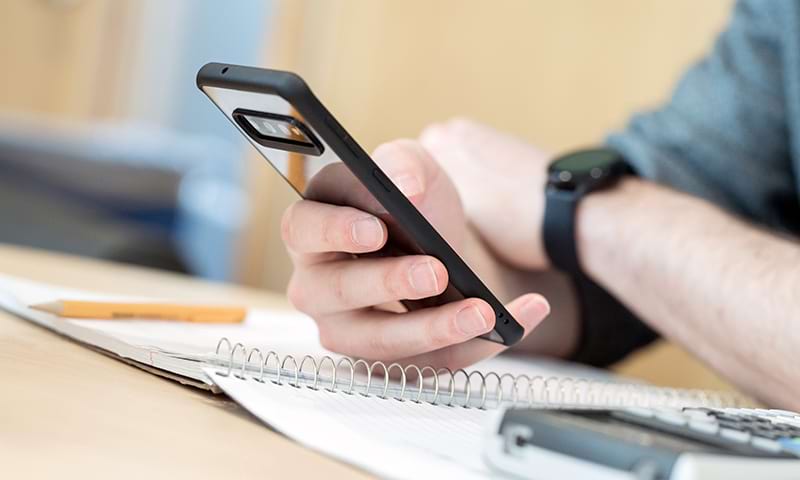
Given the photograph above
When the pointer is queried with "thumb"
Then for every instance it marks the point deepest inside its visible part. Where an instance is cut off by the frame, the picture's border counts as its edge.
(408, 166)
(529, 310)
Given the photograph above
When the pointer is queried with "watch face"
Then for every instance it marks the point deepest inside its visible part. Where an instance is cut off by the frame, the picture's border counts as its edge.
(585, 167)
(586, 160)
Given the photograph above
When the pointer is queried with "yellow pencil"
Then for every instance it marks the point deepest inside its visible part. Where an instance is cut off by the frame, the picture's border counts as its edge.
(148, 311)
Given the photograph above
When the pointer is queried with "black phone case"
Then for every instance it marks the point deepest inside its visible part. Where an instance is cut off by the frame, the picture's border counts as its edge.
(295, 90)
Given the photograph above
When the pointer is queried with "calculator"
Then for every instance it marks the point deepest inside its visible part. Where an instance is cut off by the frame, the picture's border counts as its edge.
(646, 444)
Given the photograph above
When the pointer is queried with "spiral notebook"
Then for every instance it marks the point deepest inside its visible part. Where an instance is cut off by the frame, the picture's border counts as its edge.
(396, 421)
(410, 421)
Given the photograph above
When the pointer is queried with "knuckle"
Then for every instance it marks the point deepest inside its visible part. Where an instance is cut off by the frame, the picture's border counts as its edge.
(378, 346)
(331, 231)
(405, 156)
(396, 282)
(400, 152)
(295, 292)
(286, 224)
(461, 126)
(327, 339)
(432, 134)
(338, 284)
(441, 332)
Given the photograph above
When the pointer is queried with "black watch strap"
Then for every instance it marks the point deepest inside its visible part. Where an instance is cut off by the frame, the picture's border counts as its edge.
(559, 229)
(609, 331)
(570, 178)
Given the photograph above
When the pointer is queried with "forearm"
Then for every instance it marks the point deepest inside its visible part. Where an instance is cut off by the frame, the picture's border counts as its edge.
(725, 290)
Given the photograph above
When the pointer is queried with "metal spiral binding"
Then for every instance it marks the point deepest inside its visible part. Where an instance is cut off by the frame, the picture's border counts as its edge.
(440, 386)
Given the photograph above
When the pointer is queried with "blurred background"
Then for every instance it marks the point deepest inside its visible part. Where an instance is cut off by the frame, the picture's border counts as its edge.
(107, 148)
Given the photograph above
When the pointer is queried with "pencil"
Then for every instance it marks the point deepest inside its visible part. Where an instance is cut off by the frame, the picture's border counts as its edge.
(143, 311)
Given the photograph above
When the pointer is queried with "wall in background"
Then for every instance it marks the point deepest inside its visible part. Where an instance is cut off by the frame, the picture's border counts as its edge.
(52, 55)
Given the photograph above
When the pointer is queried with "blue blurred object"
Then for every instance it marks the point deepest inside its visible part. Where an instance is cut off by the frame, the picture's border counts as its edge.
(122, 192)
(162, 188)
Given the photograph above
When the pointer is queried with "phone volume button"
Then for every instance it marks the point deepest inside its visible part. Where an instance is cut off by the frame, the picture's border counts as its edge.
(337, 129)
(382, 179)
(352, 146)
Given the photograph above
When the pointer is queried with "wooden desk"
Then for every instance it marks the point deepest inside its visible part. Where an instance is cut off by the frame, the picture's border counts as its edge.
(66, 411)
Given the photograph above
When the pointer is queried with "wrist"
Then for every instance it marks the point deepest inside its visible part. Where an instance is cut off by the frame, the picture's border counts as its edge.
(602, 221)
(597, 218)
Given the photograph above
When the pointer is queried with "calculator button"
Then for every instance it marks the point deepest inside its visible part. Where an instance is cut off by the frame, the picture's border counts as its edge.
(737, 436)
(766, 444)
(766, 433)
(736, 411)
(784, 413)
(704, 427)
(787, 421)
(764, 412)
(639, 412)
(783, 429)
(672, 417)
(728, 417)
(699, 416)
(732, 424)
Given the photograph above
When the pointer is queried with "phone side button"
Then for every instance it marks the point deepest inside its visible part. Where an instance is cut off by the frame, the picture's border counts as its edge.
(336, 127)
(382, 179)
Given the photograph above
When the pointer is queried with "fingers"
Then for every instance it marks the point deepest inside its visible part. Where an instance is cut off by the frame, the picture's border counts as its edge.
(441, 336)
(375, 334)
(408, 166)
(405, 162)
(348, 284)
(529, 310)
(310, 227)
(335, 184)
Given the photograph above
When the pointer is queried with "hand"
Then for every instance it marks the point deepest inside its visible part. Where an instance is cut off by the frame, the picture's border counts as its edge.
(343, 293)
(501, 181)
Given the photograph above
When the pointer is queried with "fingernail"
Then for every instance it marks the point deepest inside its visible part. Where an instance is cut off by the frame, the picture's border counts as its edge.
(536, 307)
(423, 278)
(471, 321)
(408, 184)
(367, 232)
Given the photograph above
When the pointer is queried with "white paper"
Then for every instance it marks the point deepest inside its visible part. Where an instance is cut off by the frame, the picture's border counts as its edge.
(387, 437)
(179, 347)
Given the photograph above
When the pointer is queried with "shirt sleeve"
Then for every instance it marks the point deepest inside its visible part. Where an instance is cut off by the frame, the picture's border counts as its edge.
(723, 136)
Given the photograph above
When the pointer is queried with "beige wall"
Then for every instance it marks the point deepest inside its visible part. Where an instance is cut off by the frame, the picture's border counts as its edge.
(61, 58)
(559, 73)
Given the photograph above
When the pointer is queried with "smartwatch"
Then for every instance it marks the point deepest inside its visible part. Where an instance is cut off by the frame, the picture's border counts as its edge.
(570, 178)
(608, 329)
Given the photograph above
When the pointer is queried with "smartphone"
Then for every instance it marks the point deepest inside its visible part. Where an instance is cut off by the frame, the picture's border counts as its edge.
(280, 116)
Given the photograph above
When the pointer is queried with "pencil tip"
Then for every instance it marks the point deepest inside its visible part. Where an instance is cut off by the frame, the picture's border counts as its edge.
(49, 307)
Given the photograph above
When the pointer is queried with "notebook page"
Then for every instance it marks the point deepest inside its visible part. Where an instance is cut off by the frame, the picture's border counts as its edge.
(162, 344)
(387, 437)
(291, 330)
